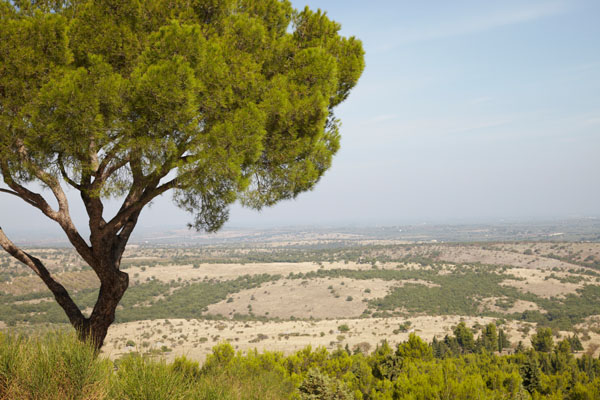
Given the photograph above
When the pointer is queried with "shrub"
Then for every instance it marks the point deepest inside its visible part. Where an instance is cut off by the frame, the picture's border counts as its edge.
(542, 340)
(140, 379)
(52, 366)
(188, 368)
(318, 386)
(57, 366)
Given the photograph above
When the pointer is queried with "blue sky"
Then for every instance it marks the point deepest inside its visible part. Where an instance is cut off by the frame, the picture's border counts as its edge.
(466, 111)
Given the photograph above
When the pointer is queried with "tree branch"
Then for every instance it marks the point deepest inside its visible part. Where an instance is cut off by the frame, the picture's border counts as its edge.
(95, 209)
(62, 217)
(60, 293)
(150, 193)
(10, 192)
(65, 176)
(126, 231)
(104, 169)
(32, 198)
(18, 195)
(48, 179)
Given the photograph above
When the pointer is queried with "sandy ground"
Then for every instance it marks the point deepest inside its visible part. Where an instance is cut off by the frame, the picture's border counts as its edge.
(166, 273)
(499, 257)
(489, 304)
(34, 301)
(503, 254)
(581, 252)
(185, 336)
(317, 298)
(527, 273)
(539, 283)
(195, 338)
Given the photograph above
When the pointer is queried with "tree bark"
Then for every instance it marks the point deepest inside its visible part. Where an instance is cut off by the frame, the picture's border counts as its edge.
(107, 239)
(113, 284)
(107, 251)
(95, 328)
(60, 293)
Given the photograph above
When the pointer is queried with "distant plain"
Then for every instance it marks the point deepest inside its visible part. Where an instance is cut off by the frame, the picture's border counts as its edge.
(288, 289)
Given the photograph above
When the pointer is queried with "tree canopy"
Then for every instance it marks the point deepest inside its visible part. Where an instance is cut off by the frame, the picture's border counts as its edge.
(217, 101)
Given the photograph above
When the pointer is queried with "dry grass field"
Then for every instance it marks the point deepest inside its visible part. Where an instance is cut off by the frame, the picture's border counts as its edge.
(195, 338)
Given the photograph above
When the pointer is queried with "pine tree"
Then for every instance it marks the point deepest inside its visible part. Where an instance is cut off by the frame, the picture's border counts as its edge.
(542, 340)
(490, 337)
(503, 341)
(464, 337)
(575, 343)
(318, 386)
(213, 101)
(530, 372)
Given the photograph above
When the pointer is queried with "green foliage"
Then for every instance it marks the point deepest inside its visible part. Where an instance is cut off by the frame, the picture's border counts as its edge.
(503, 341)
(458, 292)
(415, 348)
(575, 343)
(318, 386)
(57, 366)
(464, 337)
(542, 340)
(186, 301)
(454, 294)
(235, 96)
(138, 379)
(250, 376)
(531, 373)
(52, 366)
(489, 337)
(190, 301)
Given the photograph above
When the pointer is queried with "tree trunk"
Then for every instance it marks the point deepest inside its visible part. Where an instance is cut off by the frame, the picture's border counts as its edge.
(103, 255)
(95, 328)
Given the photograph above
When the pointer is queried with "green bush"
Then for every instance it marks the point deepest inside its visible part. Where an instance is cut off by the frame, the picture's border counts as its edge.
(140, 379)
(52, 366)
(318, 386)
(58, 366)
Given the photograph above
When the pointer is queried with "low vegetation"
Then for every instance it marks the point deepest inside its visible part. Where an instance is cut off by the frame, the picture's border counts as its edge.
(528, 285)
(57, 366)
(150, 300)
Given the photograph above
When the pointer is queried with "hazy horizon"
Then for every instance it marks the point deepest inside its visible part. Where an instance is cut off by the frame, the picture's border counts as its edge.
(466, 111)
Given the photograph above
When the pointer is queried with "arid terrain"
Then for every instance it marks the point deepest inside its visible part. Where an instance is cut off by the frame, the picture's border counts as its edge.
(331, 291)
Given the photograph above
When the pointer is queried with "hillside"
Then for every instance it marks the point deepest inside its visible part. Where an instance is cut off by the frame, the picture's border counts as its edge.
(280, 295)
